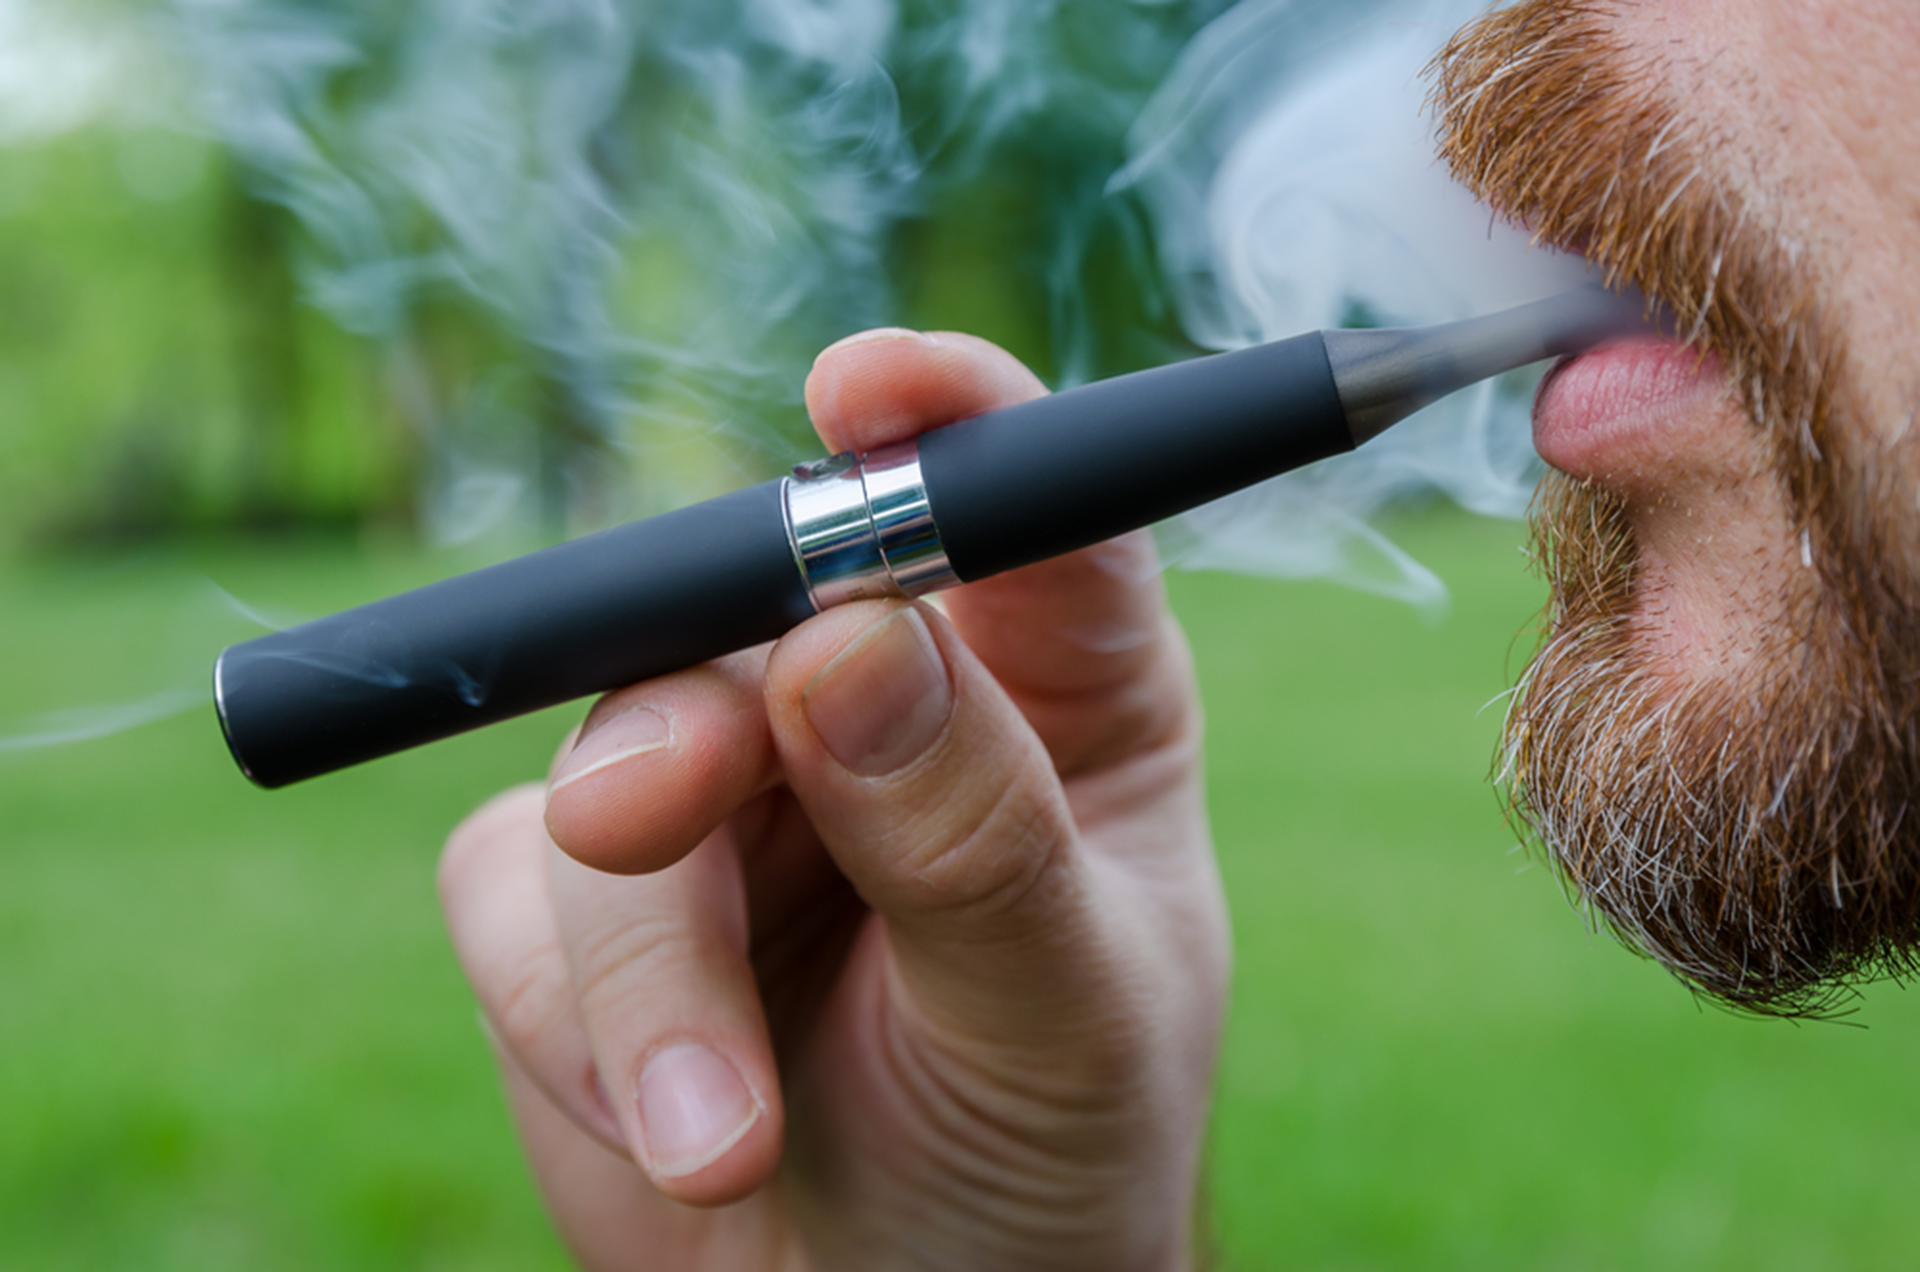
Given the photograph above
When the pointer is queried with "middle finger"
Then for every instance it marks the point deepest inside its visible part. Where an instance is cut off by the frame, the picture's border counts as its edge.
(662, 975)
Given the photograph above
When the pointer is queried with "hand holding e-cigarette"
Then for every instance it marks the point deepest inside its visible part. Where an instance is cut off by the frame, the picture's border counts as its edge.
(926, 900)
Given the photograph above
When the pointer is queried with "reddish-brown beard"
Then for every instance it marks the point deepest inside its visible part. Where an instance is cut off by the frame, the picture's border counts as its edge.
(1748, 827)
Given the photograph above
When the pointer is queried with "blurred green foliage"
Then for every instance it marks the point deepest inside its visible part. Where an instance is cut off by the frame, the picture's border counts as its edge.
(158, 372)
(261, 292)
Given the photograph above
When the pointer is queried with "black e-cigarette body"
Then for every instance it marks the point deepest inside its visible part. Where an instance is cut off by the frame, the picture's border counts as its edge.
(958, 504)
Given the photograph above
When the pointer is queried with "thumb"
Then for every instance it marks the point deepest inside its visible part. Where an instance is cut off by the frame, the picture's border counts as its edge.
(941, 806)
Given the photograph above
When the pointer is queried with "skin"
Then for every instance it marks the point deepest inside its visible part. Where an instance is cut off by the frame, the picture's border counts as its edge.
(968, 968)
(971, 994)
(1821, 112)
(1712, 527)
(1718, 743)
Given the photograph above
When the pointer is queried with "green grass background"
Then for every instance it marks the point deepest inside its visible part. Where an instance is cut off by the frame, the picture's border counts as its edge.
(232, 1035)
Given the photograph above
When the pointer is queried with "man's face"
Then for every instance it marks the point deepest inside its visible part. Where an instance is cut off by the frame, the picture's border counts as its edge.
(1719, 742)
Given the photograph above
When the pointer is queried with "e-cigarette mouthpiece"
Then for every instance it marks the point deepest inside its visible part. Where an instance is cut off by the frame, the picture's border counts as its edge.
(958, 504)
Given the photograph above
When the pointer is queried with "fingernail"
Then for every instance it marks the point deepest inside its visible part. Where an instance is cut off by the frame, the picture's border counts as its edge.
(1110, 638)
(876, 336)
(615, 740)
(694, 1106)
(884, 699)
(1133, 559)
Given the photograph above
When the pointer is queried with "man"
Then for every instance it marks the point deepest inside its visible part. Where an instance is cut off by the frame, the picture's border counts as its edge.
(1719, 741)
(918, 953)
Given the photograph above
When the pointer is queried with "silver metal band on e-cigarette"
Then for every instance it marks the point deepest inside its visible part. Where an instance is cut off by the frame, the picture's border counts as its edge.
(861, 527)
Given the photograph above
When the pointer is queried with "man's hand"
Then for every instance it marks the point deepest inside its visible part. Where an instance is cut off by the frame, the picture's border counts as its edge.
(900, 946)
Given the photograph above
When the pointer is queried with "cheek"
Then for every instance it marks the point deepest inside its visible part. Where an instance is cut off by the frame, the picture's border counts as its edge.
(1703, 41)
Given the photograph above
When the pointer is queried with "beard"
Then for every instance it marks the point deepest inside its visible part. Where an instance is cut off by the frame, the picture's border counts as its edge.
(1747, 825)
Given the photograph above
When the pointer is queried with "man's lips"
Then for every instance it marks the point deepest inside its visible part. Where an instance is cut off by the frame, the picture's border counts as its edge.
(1657, 425)
(1628, 413)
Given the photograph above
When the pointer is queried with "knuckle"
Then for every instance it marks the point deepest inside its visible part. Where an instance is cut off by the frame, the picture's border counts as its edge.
(1152, 707)
(995, 860)
(611, 966)
(532, 1004)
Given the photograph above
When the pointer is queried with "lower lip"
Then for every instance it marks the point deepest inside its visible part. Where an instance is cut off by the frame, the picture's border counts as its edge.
(1619, 407)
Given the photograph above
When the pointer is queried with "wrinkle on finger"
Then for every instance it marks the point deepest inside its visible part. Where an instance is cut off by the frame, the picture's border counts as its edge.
(659, 766)
(499, 913)
(1079, 623)
(1087, 647)
(1096, 731)
(618, 933)
(661, 973)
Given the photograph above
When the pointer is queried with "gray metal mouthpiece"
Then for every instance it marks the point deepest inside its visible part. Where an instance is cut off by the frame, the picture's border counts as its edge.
(1386, 375)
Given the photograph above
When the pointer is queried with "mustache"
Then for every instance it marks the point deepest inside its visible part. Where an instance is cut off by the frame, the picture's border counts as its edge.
(1548, 116)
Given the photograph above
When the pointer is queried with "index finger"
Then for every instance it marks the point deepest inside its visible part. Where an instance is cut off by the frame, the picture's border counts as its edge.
(1084, 643)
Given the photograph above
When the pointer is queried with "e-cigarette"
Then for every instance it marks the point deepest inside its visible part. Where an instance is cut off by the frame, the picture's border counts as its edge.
(955, 505)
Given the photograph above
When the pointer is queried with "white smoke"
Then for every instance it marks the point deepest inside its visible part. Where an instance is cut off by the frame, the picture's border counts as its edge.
(58, 70)
(188, 617)
(670, 205)
(1291, 172)
(1286, 164)
(667, 207)
(72, 725)
(454, 161)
